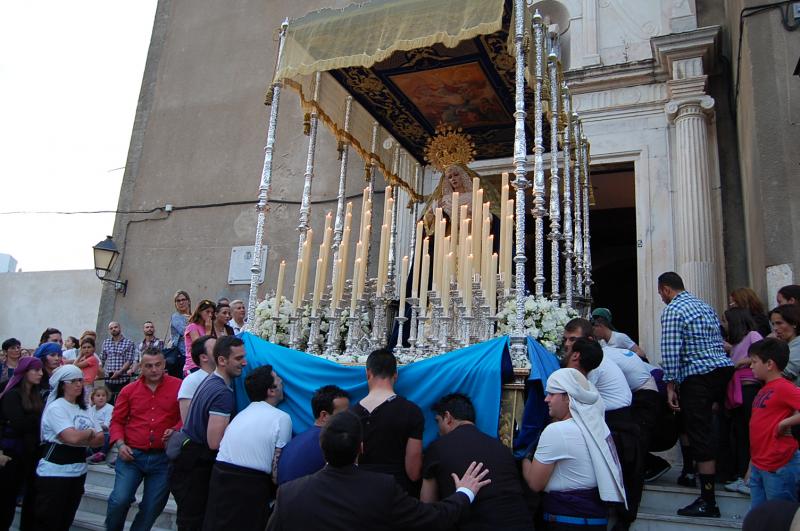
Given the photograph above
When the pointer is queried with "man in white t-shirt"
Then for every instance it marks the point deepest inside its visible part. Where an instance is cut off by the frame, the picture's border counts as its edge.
(607, 335)
(242, 479)
(203, 356)
(573, 463)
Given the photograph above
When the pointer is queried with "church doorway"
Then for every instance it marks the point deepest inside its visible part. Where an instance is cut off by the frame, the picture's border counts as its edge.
(612, 220)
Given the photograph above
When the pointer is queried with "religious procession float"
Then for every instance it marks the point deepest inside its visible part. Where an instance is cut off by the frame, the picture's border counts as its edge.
(428, 91)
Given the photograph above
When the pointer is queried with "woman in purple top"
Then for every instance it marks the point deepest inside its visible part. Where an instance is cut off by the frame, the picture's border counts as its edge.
(742, 389)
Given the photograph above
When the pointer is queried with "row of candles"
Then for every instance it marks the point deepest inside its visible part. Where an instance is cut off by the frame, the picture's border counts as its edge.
(463, 256)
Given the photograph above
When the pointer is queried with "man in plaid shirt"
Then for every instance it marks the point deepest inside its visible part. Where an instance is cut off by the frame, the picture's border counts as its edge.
(693, 357)
(118, 355)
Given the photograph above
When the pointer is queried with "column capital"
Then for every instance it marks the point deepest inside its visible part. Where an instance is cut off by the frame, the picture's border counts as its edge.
(701, 104)
(685, 55)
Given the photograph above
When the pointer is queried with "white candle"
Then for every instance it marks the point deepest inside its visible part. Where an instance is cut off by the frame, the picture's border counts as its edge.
(356, 277)
(423, 283)
(417, 261)
(493, 286)
(317, 288)
(279, 288)
(468, 287)
(403, 274)
(477, 229)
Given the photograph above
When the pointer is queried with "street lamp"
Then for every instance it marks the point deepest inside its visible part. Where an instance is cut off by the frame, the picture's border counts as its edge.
(105, 255)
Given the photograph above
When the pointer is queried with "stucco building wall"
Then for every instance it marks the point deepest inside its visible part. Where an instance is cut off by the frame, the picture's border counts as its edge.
(67, 300)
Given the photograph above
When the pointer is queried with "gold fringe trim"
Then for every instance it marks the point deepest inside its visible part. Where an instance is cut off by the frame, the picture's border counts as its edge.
(343, 136)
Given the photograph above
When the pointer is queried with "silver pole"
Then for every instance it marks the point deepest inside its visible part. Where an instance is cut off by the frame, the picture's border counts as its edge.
(305, 202)
(339, 226)
(519, 349)
(391, 275)
(587, 250)
(578, 220)
(263, 189)
(555, 188)
(372, 168)
(568, 168)
(538, 151)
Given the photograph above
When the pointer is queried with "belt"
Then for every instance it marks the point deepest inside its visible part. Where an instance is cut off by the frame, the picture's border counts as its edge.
(149, 450)
(574, 520)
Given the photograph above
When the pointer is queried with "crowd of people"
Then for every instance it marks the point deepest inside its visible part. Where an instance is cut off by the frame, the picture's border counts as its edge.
(165, 415)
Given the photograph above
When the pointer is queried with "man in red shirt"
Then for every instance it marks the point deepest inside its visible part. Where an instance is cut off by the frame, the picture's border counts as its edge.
(774, 457)
(145, 415)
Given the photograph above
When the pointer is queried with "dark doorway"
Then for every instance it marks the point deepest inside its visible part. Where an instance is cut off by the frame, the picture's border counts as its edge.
(612, 220)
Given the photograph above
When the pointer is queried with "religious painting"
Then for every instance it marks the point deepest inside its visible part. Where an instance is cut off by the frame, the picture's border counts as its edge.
(459, 95)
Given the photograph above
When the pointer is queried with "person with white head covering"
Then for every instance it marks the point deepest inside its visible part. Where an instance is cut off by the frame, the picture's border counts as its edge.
(575, 462)
(67, 430)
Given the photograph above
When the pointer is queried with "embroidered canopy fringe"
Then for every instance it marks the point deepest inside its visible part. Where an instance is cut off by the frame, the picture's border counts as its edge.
(362, 35)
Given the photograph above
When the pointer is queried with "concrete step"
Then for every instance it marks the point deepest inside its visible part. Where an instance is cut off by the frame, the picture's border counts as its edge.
(647, 521)
(95, 500)
(94, 522)
(101, 475)
(665, 497)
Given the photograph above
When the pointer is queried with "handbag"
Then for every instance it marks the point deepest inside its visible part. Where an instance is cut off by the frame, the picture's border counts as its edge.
(175, 444)
(173, 356)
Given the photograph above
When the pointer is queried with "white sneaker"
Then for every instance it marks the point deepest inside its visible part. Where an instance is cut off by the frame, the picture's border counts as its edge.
(734, 486)
(744, 488)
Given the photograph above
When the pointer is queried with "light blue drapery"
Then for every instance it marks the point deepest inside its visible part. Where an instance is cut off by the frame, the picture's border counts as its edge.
(475, 371)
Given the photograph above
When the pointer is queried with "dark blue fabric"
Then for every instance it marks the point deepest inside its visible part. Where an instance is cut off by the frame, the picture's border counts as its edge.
(301, 457)
(534, 418)
(475, 371)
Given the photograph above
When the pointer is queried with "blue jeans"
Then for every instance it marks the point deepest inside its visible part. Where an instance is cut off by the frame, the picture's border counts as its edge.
(154, 469)
(779, 485)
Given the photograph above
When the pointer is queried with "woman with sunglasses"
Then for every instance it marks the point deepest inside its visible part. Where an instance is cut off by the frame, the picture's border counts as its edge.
(201, 323)
(67, 430)
(179, 319)
(20, 415)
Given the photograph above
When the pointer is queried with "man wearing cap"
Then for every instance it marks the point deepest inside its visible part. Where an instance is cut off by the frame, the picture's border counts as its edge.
(608, 336)
(575, 463)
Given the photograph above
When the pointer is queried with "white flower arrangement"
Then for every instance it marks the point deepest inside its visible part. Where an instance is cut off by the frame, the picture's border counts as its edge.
(265, 311)
(544, 320)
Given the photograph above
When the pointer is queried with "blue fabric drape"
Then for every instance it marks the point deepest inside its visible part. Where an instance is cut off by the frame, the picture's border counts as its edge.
(535, 417)
(476, 371)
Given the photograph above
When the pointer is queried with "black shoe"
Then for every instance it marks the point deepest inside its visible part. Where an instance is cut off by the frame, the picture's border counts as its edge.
(687, 480)
(656, 471)
(700, 507)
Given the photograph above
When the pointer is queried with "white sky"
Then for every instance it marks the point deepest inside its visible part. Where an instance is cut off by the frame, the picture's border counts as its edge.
(70, 74)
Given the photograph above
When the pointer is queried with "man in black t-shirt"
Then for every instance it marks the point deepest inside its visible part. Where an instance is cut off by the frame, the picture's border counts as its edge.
(392, 425)
(500, 505)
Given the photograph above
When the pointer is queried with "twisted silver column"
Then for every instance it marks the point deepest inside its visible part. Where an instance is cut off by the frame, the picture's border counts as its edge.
(519, 350)
(569, 167)
(555, 188)
(263, 190)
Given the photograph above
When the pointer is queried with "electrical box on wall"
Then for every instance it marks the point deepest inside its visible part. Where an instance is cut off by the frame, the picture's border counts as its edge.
(796, 10)
(242, 261)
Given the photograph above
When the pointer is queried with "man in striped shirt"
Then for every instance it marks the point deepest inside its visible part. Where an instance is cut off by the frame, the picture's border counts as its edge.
(696, 366)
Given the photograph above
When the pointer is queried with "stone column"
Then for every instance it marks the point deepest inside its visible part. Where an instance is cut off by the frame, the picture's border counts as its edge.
(697, 234)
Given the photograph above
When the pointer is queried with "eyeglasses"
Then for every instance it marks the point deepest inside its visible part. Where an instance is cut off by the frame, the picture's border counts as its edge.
(74, 381)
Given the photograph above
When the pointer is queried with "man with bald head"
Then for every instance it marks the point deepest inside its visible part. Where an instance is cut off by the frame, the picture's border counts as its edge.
(118, 354)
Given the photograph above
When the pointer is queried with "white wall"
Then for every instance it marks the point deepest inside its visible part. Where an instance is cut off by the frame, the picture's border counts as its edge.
(67, 300)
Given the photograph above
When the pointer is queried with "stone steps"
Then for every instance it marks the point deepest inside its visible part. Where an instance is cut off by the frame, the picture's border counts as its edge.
(662, 498)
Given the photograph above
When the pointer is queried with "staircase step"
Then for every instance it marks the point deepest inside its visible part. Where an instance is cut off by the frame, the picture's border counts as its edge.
(101, 475)
(648, 521)
(95, 500)
(665, 496)
(85, 521)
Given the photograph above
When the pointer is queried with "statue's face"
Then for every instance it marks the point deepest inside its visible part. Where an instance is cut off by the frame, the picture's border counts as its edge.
(455, 176)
